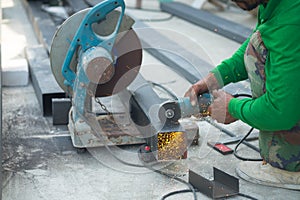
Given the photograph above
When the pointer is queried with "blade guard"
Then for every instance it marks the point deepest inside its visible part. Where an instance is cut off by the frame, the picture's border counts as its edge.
(86, 38)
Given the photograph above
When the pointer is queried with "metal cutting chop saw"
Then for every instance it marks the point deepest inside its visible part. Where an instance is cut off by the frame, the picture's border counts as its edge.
(96, 54)
(90, 54)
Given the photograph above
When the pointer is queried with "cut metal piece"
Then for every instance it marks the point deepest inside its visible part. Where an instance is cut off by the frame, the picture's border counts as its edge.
(127, 50)
(60, 111)
(223, 185)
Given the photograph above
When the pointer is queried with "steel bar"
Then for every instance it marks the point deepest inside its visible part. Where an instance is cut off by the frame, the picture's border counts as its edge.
(42, 22)
(60, 111)
(0, 109)
(44, 84)
(205, 19)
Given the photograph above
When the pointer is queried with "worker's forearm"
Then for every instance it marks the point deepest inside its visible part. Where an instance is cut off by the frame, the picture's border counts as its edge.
(265, 113)
(232, 69)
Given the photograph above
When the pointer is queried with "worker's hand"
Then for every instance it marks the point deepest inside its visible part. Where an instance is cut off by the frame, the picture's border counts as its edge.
(208, 83)
(219, 108)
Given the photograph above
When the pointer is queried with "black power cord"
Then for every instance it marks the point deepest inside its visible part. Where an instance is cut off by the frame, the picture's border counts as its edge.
(242, 95)
(238, 144)
(245, 137)
(175, 193)
(247, 196)
(186, 191)
(191, 189)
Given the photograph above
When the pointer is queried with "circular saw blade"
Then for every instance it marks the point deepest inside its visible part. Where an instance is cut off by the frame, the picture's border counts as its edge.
(127, 49)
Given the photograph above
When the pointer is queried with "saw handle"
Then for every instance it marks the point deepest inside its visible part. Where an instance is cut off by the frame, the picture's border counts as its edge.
(86, 38)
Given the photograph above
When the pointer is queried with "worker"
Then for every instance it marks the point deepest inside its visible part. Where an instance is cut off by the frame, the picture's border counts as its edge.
(270, 60)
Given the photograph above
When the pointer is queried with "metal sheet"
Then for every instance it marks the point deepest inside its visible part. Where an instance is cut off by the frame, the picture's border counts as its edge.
(42, 22)
(223, 185)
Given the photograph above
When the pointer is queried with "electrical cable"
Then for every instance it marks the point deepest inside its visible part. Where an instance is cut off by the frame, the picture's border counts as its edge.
(121, 160)
(247, 196)
(238, 144)
(242, 95)
(245, 137)
(175, 193)
(191, 188)
(186, 191)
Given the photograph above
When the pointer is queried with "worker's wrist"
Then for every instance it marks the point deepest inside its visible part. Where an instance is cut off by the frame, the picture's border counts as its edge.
(222, 75)
(212, 82)
(233, 108)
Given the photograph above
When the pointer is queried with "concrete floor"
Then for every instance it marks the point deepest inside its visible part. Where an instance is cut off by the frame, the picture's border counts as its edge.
(37, 167)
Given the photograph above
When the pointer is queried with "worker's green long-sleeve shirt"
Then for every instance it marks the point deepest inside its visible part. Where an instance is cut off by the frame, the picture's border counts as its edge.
(278, 108)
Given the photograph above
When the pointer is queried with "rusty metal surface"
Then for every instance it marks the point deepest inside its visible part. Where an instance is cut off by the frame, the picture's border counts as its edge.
(107, 131)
